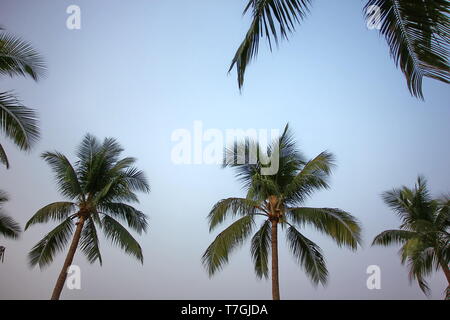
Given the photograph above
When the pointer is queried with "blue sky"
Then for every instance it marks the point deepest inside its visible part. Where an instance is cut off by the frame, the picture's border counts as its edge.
(139, 71)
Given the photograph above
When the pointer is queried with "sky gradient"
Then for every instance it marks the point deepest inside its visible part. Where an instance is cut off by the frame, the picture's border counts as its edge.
(137, 71)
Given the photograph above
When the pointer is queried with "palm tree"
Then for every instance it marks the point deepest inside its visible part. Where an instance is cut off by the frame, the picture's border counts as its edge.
(18, 123)
(278, 200)
(99, 186)
(8, 227)
(423, 234)
(417, 33)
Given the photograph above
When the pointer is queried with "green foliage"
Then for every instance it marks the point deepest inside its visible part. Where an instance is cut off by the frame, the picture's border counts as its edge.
(99, 185)
(9, 228)
(18, 123)
(424, 232)
(417, 33)
(278, 197)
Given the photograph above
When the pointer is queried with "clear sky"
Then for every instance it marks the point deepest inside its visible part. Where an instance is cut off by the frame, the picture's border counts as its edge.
(139, 70)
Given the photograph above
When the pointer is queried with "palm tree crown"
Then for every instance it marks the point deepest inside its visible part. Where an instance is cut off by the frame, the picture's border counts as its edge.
(424, 231)
(278, 199)
(99, 186)
(17, 122)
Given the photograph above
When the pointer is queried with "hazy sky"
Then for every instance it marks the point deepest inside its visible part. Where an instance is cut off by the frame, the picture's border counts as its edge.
(139, 70)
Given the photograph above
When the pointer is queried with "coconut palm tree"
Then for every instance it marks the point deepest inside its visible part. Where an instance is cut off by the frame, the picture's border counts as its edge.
(8, 227)
(278, 200)
(417, 33)
(17, 122)
(99, 187)
(424, 234)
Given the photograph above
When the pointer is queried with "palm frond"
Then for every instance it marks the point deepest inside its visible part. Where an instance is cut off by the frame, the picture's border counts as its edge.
(313, 176)
(231, 207)
(260, 249)
(341, 226)
(9, 228)
(4, 157)
(56, 211)
(135, 219)
(418, 36)
(17, 122)
(44, 251)
(119, 236)
(273, 19)
(89, 242)
(66, 176)
(389, 237)
(308, 255)
(18, 58)
(217, 254)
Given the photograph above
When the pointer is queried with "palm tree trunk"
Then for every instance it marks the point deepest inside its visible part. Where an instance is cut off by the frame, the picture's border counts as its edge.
(275, 281)
(69, 258)
(446, 272)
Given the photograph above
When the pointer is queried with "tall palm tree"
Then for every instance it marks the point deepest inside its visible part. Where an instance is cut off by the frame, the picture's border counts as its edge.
(417, 33)
(278, 200)
(17, 122)
(424, 234)
(8, 227)
(99, 186)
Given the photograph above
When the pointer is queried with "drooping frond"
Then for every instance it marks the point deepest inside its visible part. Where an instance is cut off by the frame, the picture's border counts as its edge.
(308, 255)
(231, 207)
(216, 255)
(17, 122)
(56, 211)
(389, 237)
(341, 226)
(135, 219)
(18, 58)
(418, 35)
(44, 251)
(119, 236)
(9, 228)
(272, 19)
(260, 249)
(89, 242)
(4, 157)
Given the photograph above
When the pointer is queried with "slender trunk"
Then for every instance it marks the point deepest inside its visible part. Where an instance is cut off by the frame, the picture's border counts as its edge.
(275, 281)
(73, 247)
(446, 272)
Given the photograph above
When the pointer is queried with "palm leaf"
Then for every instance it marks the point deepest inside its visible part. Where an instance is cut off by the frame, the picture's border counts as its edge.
(341, 226)
(9, 228)
(389, 237)
(17, 122)
(44, 251)
(272, 19)
(230, 207)
(260, 249)
(89, 242)
(121, 237)
(313, 176)
(216, 255)
(56, 211)
(4, 157)
(17, 57)
(308, 255)
(418, 36)
(135, 219)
